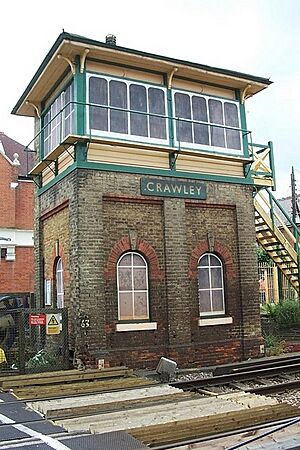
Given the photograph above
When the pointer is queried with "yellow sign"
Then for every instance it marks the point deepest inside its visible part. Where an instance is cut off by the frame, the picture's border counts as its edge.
(53, 324)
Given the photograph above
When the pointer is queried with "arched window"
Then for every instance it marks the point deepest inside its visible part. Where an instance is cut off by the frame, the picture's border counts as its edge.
(210, 285)
(132, 279)
(59, 284)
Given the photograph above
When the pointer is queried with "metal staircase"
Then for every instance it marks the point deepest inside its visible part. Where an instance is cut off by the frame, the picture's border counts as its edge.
(278, 235)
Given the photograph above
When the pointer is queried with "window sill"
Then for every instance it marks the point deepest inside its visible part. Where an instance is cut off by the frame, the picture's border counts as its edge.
(142, 326)
(214, 321)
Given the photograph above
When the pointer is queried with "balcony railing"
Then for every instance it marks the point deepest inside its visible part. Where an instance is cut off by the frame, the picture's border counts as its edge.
(259, 158)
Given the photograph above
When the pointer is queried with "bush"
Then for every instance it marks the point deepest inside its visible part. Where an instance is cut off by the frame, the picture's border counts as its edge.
(284, 314)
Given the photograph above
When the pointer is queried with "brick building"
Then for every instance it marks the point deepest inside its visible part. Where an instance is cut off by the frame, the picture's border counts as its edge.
(144, 212)
(16, 218)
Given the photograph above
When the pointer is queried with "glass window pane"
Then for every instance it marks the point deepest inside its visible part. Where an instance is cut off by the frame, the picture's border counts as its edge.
(201, 134)
(200, 113)
(140, 305)
(139, 279)
(199, 109)
(125, 279)
(125, 261)
(203, 261)
(215, 111)
(214, 261)
(138, 260)
(217, 137)
(216, 116)
(233, 139)
(125, 306)
(98, 93)
(138, 102)
(217, 301)
(156, 98)
(216, 278)
(183, 110)
(204, 301)
(231, 115)
(118, 98)
(203, 278)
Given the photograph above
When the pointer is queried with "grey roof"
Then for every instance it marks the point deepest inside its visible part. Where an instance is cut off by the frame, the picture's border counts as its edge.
(10, 147)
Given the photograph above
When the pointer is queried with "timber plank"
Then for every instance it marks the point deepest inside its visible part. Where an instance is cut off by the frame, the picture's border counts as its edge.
(66, 378)
(205, 426)
(38, 392)
(89, 410)
(59, 373)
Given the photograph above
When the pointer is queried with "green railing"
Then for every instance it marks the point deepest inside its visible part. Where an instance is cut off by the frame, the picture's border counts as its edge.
(263, 157)
(289, 224)
(170, 121)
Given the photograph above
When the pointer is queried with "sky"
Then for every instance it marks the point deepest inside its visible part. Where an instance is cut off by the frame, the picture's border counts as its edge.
(259, 37)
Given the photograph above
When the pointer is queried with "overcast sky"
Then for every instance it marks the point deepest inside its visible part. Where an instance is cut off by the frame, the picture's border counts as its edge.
(260, 37)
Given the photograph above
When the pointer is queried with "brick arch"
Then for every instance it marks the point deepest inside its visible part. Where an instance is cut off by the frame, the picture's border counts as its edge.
(122, 246)
(220, 250)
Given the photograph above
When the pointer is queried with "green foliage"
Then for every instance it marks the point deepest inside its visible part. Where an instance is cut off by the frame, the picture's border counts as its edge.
(285, 313)
(262, 256)
(274, 345)
(41, 360)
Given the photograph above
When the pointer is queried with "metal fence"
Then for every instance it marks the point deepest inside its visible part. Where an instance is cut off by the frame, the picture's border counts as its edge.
(273, 286)
(33, 340)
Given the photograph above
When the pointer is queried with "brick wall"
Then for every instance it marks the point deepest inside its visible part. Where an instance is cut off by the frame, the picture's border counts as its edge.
(56, 245)
(106, 217)
(16, 212)
(8, 195)
(18, 275)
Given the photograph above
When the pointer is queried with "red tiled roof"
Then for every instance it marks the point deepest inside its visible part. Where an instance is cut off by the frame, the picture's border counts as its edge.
(11, 146)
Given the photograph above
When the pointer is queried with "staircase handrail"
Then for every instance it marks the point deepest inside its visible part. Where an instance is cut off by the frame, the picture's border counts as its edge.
(272, 200)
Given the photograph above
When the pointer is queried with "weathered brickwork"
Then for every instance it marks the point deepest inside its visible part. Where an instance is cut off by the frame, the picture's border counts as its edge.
(107, 216)
(56, 245)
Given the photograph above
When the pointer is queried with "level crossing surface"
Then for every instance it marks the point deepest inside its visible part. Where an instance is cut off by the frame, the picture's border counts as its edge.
(23, 428)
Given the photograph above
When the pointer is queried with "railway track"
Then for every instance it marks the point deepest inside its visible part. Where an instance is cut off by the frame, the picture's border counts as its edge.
(162, 416)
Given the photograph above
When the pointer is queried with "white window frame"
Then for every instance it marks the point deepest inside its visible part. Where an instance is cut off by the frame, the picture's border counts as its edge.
(212, 312)
(59, 273)
(59, 122)
(126, 136)
(132, 290)
(192, 145)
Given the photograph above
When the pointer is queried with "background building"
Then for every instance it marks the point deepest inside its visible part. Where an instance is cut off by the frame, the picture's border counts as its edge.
(16, 218)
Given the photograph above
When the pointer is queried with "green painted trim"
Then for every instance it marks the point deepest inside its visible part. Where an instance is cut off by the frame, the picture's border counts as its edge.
(58, 178)
(80, 97)
(163, 173)
(272, 167)
(80, 151)
(172, 159)
(83, 40)
(243, 124)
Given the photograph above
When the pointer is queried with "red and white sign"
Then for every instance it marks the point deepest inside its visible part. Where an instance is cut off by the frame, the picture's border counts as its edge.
(37, 319)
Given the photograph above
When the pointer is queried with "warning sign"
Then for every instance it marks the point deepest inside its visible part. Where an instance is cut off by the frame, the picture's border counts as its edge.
(53, 324)
(37, 319)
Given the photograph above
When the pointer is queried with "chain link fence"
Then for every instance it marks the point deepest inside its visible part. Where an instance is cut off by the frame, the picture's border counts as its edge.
(33, 340)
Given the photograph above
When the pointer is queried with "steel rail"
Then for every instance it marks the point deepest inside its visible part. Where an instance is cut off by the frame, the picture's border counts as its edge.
(238, 376)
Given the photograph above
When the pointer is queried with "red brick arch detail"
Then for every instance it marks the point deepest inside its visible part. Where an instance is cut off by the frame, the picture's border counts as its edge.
(122, 246)
(220, 250)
